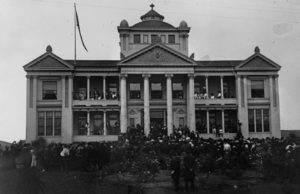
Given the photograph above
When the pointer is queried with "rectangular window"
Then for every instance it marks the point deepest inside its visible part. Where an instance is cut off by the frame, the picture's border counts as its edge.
(266, 120)
(131, 120)
(41, 123)
(135, 90)
(49, 123)
(154, 38)
(181, 121)
(257, 89)
(57, 123)
(171, 39)
(163, 38)
(251, 120)
(177, 90)
(258, 118)
(156, 91)
(145, 39)
(136, 38)
(49, 90)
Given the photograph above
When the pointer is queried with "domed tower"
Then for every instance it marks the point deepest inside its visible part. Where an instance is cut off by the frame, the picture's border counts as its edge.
(152, 29)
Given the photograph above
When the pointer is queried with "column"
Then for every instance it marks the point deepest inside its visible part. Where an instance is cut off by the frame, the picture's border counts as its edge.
(207, 120)
(222, 88)
(34, 96)
(275, 115)
(146, 104)
(70, 91)
(88, 123)
(67, 115)
(192, 103)
(88, 87)
(223, 121)
(206, 85)
(63, 91)
(169, 104)
(28, 94)
(244, 120)
(104, 123)
(123, 103)
(271, 89)
(104, 88)
(31, 128)
(238, 90)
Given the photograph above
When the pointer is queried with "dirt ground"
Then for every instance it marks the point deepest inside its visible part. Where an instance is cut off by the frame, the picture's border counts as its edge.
(89, 183)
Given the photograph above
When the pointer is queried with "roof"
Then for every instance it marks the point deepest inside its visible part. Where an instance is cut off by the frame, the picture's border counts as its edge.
(153, 24)
(94, 63)
(151, 14)
(223, 63)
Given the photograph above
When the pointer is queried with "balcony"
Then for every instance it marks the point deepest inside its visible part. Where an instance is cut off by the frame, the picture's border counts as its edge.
(80, 99)
(95, 91)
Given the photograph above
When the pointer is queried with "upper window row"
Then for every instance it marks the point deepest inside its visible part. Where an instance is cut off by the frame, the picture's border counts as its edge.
(257, 89)
(137, 38)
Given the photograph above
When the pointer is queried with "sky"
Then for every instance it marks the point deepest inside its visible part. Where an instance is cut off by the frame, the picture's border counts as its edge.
(220, 30)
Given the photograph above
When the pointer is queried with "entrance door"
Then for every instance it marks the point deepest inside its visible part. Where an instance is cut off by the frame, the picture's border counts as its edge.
(157, 118)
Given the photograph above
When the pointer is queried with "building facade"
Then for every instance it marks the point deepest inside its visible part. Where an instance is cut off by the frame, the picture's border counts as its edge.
(154, 84)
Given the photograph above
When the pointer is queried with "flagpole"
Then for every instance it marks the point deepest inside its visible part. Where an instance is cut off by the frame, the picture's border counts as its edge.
(75, 33)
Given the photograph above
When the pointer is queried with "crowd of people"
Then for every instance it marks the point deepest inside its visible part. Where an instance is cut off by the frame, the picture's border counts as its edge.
(184, 153)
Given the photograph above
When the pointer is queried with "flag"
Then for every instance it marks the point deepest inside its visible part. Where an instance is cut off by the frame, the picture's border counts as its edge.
(78, 26)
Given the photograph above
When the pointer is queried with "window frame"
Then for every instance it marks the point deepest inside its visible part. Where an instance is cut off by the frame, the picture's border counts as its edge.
(171, 37)
(135, 40)
(258, 113)
(155, 40)
(133, 93)
(145, 38)
(54, 121)
(175, 92)
(160, 92)
(256, 94)
(52, 92)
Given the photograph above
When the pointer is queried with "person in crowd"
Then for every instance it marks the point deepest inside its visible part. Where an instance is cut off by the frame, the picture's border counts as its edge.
(33, 163)
(175, 170)
(65, 153)
(219, 95)
(189, 165)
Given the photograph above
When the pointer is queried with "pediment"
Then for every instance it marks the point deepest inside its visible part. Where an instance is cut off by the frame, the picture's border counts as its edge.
(258, 62)
(48, 62)
(157, 55)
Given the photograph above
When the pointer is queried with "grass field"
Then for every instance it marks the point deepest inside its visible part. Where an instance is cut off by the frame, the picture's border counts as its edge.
(13, 181)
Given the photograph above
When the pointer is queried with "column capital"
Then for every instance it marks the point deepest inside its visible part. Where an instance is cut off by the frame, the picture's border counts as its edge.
(169, 75)
(191, 75)
(28, 76)
(123, 75)
(146, 75)
(276, 76)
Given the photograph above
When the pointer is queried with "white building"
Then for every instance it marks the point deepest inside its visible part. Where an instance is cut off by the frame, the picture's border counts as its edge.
(155, 82)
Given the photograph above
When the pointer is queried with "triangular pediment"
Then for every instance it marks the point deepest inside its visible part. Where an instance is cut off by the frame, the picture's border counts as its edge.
(48, 62)
(157, 55)
(258, 62)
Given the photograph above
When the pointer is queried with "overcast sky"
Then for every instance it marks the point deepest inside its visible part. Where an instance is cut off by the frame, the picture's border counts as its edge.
(220, 30)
